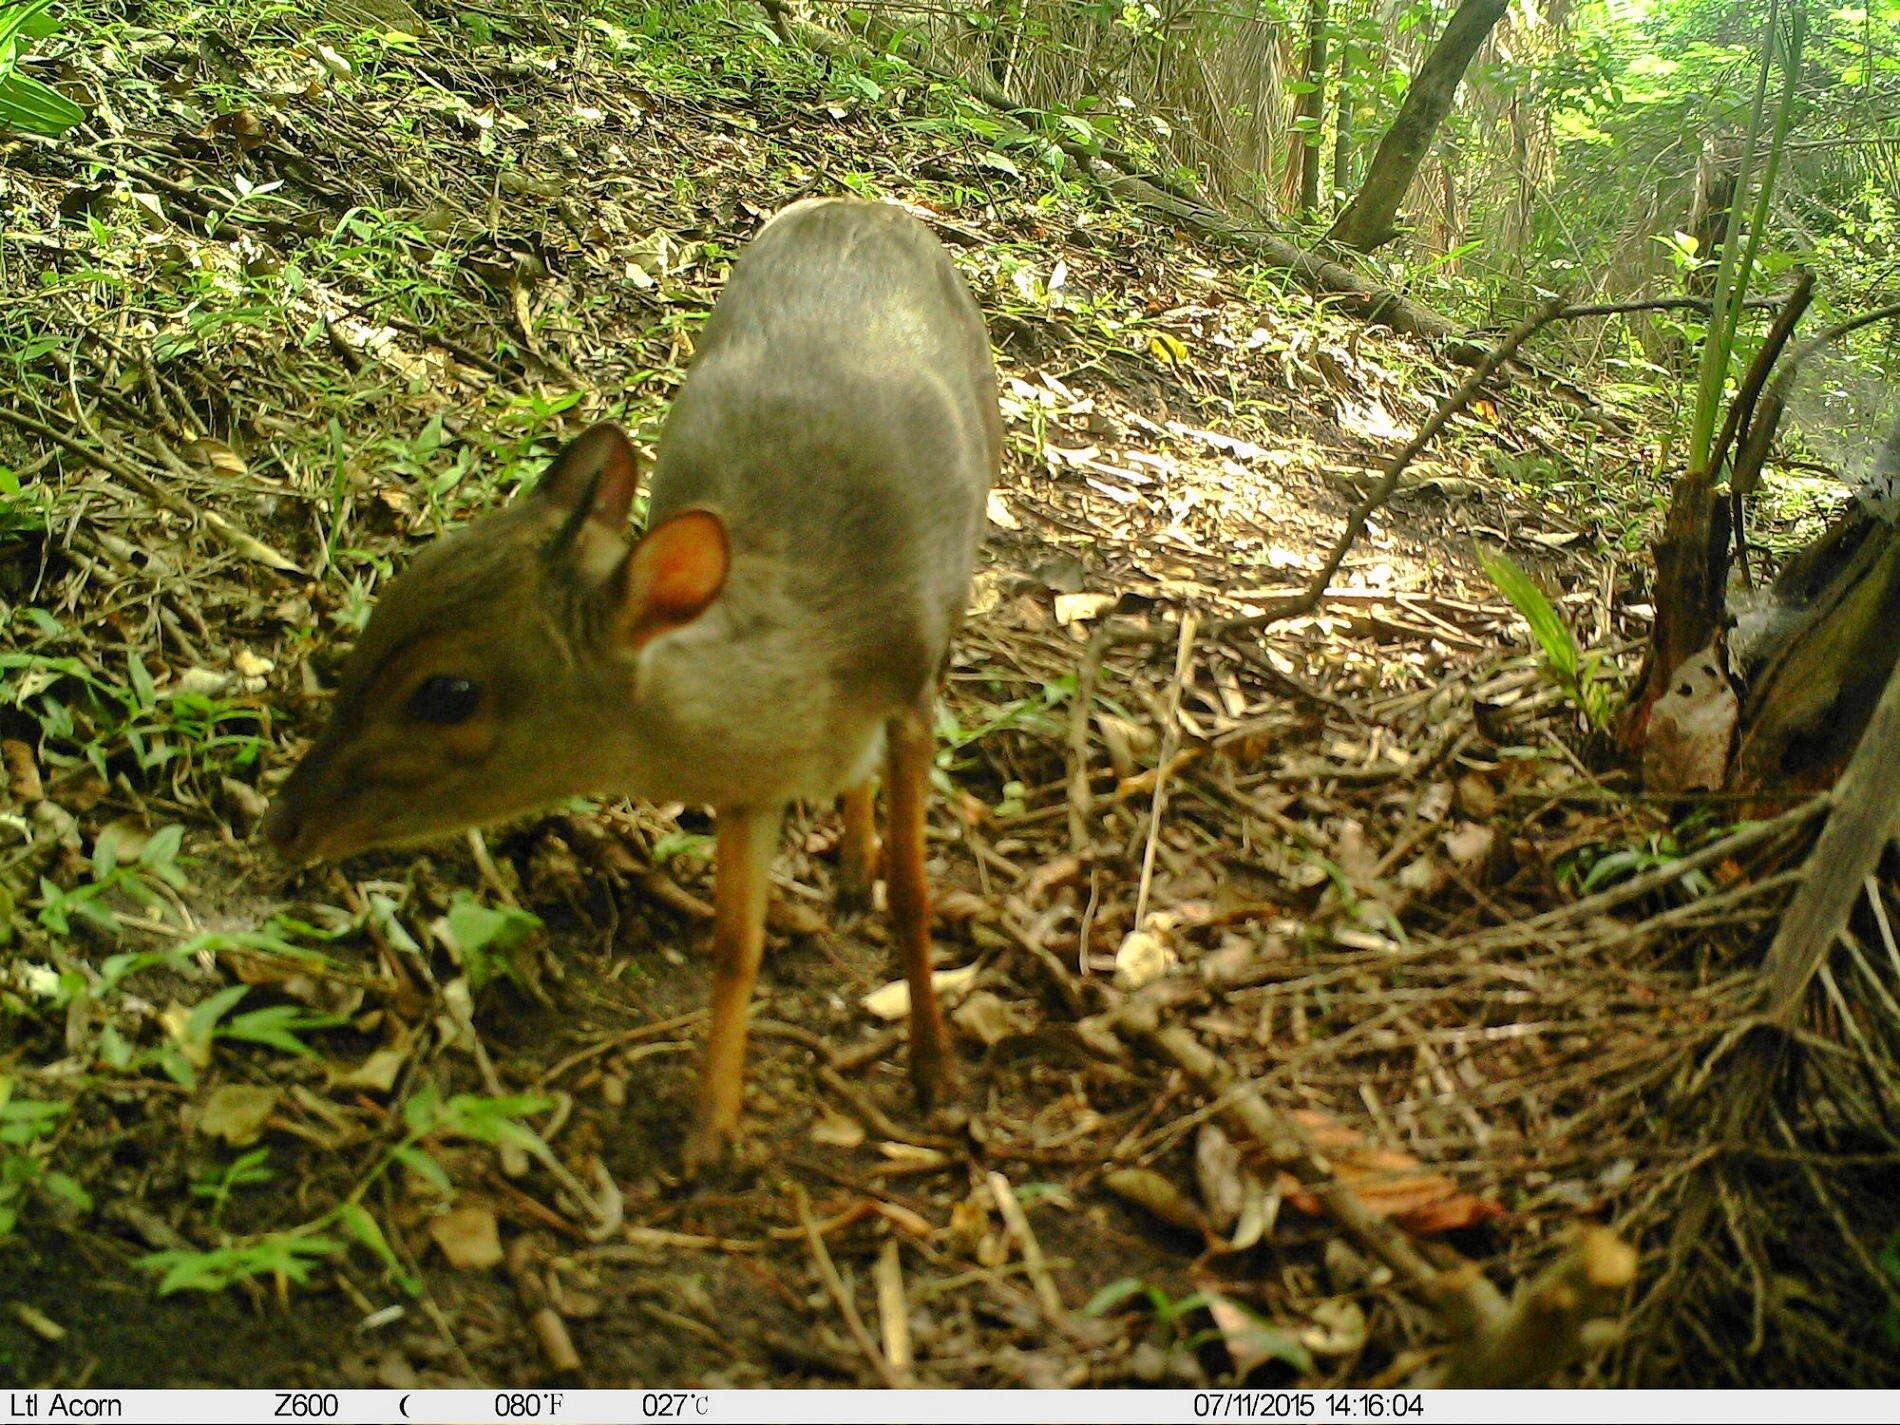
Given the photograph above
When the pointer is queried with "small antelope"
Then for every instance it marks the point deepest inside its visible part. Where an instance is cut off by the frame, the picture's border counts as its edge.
(781, 627)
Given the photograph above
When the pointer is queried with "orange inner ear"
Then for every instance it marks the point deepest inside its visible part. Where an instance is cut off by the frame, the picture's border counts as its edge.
(674, 573)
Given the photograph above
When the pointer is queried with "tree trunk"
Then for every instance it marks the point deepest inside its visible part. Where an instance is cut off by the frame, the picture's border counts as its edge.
(1829, 651)
(1371, 219)
(1309, 109)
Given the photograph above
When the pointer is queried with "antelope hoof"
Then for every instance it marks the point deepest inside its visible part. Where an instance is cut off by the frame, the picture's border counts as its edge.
(933, 1075)
(851, 890)
(708, 1146)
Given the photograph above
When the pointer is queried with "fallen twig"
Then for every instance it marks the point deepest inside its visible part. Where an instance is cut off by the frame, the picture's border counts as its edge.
(834, 1284)
(1040, 1279)
(1170, 739)
(893, 1313)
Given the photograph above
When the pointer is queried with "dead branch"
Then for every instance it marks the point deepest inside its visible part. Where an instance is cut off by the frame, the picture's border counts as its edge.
(1309, 599)
(1081, 795)
(1774, 400)
(834, 1284)
(1040, 1277)
(1656, 304)
(1170, 739)
(1741, 417)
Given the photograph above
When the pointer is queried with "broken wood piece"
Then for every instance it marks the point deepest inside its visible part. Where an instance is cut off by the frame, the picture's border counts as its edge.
(1862, 822)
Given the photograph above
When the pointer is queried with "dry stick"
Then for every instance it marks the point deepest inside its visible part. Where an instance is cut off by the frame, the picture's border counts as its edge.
(1655, 304)
(1388, 481)
(658, 1029)
(1568, 1310)
(235, 538)
(893, 1313)
(1081, 796)
(525, 1260)
(1741, 410)
(1171, 737)
(1754, 453)
(834, 1284)
(1047, 1297)
(1739, 423)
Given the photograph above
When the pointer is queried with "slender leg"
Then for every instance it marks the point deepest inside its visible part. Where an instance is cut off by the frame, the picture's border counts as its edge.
(744, 840)
(906, 786)
(857, 854)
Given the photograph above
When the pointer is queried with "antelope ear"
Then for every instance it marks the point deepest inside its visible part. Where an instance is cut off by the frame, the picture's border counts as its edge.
(671, 576)
(594, 479)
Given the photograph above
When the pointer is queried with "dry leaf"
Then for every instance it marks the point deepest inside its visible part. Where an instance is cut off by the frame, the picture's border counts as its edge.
(1691, 729)
(1047, 877)
(377, 1073)
(984, 1017)
(1148, 1189)
(1144, 957)
(1338, 1329)
(892, 1001)
(835, 1130)
(1259, 1210)
(1250, 1341)
(1219, 1172)
(1389, 1182)
(236, 1113)
(23, 773)
(468, 1237)
(1469, 845)
(1080, 608)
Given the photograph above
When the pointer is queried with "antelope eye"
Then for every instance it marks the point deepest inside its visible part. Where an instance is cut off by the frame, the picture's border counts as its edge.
(444, 700)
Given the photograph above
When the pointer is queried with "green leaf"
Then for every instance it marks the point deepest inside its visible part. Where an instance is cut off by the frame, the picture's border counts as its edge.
(67, 1190)
(293, 1258)
(204, 1017)
(422, 1110)
(29, 107)
(358, 1222)
(277, 1025)
(141, 678)
(1547, 626)
(475, 927)
(425, 1167)
(162, 849)
(1113, 1295)
(491, 1120)
(20, 18)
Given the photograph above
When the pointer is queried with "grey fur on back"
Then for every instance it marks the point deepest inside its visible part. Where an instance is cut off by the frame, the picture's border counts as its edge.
(840, 415)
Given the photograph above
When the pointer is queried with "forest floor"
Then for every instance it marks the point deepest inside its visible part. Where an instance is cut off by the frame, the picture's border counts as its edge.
(309, 294)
